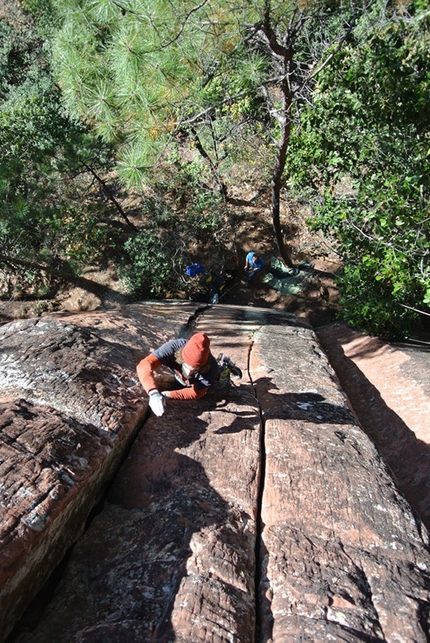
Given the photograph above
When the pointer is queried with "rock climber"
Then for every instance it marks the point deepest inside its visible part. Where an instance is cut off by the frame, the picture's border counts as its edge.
(192, 364)
(253, 263)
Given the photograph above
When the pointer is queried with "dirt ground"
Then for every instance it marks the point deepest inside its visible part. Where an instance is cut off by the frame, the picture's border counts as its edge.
(318, 302)
(102, 290)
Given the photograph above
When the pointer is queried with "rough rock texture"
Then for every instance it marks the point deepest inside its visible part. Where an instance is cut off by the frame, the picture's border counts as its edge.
(389, 388)
(172, 554)
(262, 512)
(342, 558)
(70, 403)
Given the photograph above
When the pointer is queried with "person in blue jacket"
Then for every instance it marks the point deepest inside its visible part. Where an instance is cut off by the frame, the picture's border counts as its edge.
(253, 263)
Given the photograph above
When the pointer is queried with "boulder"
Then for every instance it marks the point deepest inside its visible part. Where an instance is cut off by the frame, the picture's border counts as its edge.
(388, 385)
(260, 512)
(172, 554)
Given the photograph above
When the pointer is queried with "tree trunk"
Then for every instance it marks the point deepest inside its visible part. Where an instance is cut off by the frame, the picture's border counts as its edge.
(276, 193)
(65, 274)
(279, 170)
(284, 56)
(205, 155)
(32, 265)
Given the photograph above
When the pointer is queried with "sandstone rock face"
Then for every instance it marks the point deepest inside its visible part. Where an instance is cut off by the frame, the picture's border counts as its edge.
(389, 386)
(70, 403)
(172, 554)
(261, 512)
(342, 558)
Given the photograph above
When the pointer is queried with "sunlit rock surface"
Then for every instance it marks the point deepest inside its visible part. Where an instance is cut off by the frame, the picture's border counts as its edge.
(70, 404)
(262, 512)
(342, 557)
(389, 385)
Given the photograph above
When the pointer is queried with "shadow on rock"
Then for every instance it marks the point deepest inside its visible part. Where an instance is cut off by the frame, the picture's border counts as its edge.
(307, 406)
(407, 457)
(165, 543)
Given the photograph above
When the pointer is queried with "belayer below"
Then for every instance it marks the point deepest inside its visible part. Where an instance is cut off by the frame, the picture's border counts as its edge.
(253, 263)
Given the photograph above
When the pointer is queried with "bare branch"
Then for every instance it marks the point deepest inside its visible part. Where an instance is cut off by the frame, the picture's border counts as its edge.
(333, 53)
(422, 312)
(184, 21)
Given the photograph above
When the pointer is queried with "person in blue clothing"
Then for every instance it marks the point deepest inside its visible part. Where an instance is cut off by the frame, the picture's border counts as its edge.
(253, 263)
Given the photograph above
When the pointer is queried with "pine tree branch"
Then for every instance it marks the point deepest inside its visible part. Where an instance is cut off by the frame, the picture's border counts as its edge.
(109, 193)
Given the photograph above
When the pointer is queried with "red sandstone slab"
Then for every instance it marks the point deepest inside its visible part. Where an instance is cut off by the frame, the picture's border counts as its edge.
(172, 554)
(70, 403)
(342, 556)
(388, 385)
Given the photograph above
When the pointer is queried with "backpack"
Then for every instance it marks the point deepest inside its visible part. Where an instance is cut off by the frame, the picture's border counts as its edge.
(194, 269)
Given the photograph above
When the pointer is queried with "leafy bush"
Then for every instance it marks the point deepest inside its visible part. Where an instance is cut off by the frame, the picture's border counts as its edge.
(362, 149)
(149, 267)
(179, 217)
(369, 302)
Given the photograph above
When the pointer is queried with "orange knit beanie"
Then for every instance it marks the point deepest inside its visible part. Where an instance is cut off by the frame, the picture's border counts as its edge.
(196, 351)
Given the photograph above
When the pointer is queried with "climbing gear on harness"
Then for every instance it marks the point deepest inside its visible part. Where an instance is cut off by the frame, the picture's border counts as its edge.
(227, 368)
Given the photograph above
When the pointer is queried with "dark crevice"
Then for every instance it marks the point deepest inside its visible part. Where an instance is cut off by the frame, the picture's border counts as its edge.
(190, 324)
(33, 614)
(260, 606)
(98, 507)
(259, 546)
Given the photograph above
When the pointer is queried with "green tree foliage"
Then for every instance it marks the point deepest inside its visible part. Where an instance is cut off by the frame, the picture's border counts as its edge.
(50, 222)
(138, 71)
(141, 70)
(178, 216)
(334, 94)
(365, 140)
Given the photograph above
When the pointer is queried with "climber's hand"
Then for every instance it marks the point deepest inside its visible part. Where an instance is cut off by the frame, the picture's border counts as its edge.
(157, 402)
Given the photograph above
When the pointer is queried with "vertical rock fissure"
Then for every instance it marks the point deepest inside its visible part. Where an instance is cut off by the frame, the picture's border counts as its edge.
(186, 329)
(35, 610)
(259, 522)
